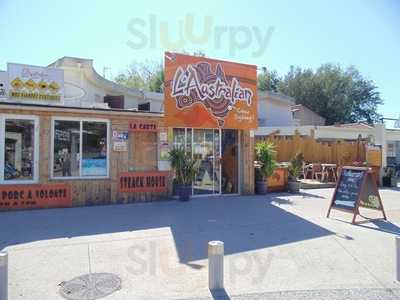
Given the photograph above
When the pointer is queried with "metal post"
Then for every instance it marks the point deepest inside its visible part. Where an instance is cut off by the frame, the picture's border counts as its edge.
(215, 265)
(3, 275)
(397, 258)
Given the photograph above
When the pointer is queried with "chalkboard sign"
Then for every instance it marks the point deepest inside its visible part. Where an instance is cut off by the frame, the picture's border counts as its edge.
(348, 188)
(356, 187)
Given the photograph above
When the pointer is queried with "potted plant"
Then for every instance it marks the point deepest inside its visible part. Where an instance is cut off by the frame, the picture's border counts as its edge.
(388, 179)
(295, 166)
(185, 169)
(265, 165)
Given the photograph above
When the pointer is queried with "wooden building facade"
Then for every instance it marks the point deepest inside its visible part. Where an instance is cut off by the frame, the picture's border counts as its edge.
(55, 156)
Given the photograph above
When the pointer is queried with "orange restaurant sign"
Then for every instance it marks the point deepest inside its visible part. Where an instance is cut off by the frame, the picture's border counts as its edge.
(208, 93)
(35, 196)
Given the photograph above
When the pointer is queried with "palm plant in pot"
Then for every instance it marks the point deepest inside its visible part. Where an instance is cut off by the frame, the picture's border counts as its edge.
(265, 165)
(296, 164)
(185, 168)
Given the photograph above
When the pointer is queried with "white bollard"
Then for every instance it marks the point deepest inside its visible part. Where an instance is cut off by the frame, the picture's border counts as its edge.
(397, 258)
(3, 275)
(215, 265)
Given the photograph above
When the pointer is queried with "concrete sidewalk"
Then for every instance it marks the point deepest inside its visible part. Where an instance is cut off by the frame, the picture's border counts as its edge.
(273, 243)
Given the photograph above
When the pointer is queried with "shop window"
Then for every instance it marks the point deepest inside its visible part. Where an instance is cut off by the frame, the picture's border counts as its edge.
(19, 149)
(144, 106)
(183, 137)
(80, 148)
(66, 150)
(179, 137)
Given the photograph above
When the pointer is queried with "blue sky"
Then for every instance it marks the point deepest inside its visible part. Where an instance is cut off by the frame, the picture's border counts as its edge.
(305, 33)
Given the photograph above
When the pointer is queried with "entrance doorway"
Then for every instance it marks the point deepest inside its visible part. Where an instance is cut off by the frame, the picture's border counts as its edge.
(218, 154)
(230, 161)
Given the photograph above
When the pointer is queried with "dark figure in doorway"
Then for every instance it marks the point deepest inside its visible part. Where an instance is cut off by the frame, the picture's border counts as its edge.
(66, 164)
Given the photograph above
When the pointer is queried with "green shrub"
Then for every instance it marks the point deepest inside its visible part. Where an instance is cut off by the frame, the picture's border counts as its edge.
(265, 156)
(296, 164)
(184, 166)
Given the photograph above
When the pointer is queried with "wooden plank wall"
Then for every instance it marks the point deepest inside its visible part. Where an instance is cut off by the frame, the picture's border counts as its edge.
(338, 152)
(142, 155)
(100, 191)
(246, 163)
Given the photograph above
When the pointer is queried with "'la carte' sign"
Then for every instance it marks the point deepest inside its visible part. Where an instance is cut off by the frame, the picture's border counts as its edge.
(143, 125)
(208, 93)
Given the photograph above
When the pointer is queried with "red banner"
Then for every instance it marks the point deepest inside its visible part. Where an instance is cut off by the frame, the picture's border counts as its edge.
(143, 125)
(153, 181)
(35, 196)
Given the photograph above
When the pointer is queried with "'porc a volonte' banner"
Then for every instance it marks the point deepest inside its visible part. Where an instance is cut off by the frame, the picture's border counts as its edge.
(208, 93)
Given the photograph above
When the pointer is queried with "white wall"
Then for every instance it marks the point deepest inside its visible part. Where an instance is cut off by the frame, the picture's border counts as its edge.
(80, 89)
(320, 132)
(274, 113)
(304, 116)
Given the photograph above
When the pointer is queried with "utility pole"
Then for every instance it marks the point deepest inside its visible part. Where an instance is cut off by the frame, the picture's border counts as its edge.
(104, 71)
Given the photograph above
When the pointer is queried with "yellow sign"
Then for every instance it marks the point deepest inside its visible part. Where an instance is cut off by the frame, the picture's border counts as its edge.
(35, 83)
(36, 96)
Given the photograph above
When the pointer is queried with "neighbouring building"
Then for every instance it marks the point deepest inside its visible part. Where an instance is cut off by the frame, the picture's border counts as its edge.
(274, 109)
(82, 86)
(303, 116)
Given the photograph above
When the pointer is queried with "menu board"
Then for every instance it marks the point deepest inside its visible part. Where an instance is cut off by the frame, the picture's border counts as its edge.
(356, 188)
(348, 188)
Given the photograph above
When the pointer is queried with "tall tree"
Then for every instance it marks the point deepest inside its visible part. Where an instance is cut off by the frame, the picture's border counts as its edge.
(148, 76)
(338, 95)
(268, 81)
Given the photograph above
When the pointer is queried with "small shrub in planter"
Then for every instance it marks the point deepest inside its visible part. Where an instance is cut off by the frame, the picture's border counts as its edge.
(265, 165)
(296, 164)
(185, 169)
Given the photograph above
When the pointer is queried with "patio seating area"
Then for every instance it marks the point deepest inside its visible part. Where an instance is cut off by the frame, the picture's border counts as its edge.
(323, 159)
(320, 172)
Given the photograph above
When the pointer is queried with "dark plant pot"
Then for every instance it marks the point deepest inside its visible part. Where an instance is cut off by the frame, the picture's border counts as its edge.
(387, 181)
(394, 182)
(294, 186)
(261, 187)
(184, 192)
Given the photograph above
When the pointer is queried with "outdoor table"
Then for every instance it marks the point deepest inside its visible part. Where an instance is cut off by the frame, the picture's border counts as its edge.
(326, 169)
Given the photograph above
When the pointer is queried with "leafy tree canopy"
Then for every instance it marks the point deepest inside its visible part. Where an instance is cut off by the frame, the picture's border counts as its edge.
(147, 76)
(339, 95)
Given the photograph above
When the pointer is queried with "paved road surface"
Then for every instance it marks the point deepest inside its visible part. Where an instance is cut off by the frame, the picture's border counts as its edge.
(273, 243)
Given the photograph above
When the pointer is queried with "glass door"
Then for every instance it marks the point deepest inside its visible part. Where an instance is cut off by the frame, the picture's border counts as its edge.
(218, 154)
(206, 148)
